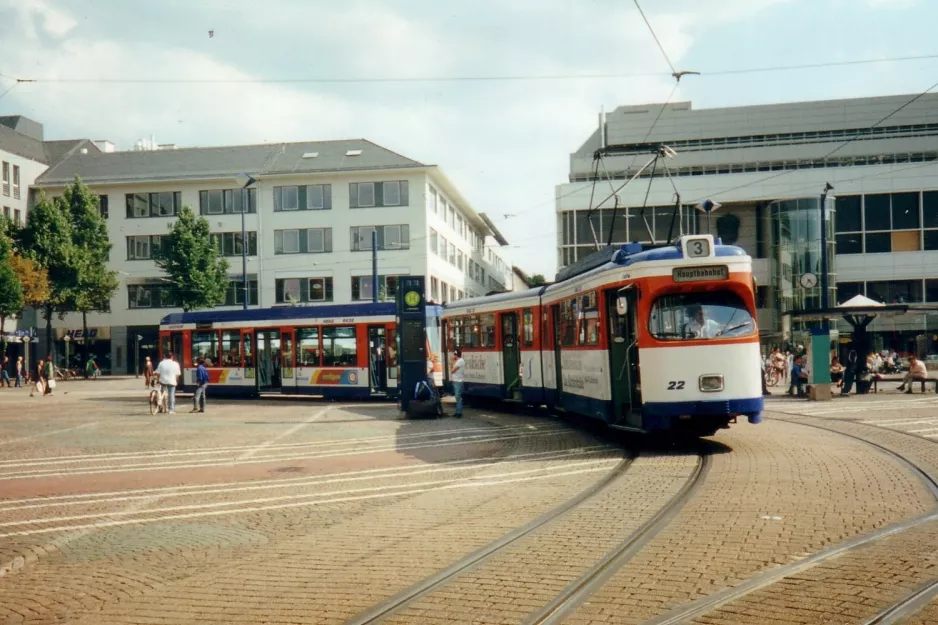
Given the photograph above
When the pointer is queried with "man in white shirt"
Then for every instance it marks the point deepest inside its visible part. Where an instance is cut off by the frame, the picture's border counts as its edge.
(168, 372)
(699, 327)
(456, 376)
(917, 371)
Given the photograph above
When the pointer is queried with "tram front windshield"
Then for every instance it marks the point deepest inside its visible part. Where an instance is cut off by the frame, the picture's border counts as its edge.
(702, 315)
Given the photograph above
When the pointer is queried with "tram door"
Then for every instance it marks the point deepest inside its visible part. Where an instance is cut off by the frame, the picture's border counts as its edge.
(623, 357)
(377, 359)
(558, 372)
(287, 374)
(268, 360)
(247, 356)
(174, 343)
(511, 355)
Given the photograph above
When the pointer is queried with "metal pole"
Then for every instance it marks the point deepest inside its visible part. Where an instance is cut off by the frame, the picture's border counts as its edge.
(136, 355)
(374, 265)
(244, 247)
(825, 295)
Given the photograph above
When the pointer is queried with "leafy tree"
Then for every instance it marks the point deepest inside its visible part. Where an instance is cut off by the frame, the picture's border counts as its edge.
(196, 269)
(92, 246)
(537, 279)
(33, 278)
(11, 292)
(47, 240)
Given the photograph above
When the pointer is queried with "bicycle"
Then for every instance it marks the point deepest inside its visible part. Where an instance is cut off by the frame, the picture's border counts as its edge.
(773, 376)
(64, 374)
(158, 401)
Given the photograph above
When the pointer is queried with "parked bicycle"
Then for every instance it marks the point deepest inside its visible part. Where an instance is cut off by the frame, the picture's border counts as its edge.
(65, 374)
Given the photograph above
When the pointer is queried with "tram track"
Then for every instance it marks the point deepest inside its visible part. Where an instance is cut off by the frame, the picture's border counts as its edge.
(894, 613)
(578, 590)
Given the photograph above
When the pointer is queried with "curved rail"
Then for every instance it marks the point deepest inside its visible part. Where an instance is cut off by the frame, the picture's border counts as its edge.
(579, 590)
(405, 598)
(707, 604)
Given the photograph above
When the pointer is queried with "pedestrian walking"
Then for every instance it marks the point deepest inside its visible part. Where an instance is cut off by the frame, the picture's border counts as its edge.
(89, 367)
(169, 372)
(201, 380)
(148, 378)
(19, 372)
(457, 376)
(48, 375)
(5, 374)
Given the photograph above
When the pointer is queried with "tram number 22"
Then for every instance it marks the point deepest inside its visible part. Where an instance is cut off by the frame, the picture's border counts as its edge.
(676, 385)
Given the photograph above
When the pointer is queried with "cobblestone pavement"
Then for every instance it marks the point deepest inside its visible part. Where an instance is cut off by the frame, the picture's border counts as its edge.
(287, 511)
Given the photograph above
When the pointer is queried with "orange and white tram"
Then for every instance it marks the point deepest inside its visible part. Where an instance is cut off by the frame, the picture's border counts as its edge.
(657, 340)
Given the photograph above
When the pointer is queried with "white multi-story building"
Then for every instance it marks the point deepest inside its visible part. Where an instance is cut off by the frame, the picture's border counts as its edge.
(768, 166)
(309, 220)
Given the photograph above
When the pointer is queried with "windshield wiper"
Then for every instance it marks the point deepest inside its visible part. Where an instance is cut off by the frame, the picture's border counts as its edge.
(736, 327)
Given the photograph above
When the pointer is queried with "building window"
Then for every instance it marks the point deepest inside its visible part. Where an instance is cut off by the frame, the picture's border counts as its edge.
(931, 290)
(143, 247)
(376, 194)
(444, 245)
(6, 212)
(302, 290)
(229, 243)
(905, 211)
(849, 243)
(895, 291)
(16, 182)
(848, 290)
(876, 211)
(227, 201)
(434, 243)
(151, 296)
(305, 241)
(103, 206)
(451, 217)
(165, 204)
(878, 243)
(930, 209)
(460, 260)
(313, 197)
(452, 254)
(234, 295)
(930, 240)
(434, 289)
(394, 237)
(17, 217)
(431, 200)
(6, 178)
(362, 288)
(849, 217)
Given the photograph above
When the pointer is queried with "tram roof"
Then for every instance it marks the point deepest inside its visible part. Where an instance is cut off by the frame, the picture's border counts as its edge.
(285, 313)
(494, 299)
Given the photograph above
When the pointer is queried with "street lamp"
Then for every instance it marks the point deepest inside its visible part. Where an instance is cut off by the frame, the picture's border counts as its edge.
(246, 181)
(825, 295)
(708, 206)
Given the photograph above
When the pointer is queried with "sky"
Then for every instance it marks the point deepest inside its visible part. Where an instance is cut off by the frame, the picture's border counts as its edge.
(504, 143)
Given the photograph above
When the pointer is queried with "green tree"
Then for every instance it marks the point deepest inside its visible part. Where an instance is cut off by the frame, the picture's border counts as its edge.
(537, 279)
(196, 269)
(92, 246)
(47, 240)
(11, 292)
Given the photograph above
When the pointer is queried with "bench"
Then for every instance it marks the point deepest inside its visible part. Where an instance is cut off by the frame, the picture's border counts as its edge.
(874, 381)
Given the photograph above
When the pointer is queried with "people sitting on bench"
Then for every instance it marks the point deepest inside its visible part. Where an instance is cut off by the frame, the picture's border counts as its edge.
(799, 378)
(917, 373)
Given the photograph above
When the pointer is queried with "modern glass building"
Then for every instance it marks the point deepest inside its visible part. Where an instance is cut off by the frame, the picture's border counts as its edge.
(767, 166)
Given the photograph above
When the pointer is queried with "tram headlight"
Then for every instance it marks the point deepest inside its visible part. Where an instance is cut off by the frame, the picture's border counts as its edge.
(709, 383)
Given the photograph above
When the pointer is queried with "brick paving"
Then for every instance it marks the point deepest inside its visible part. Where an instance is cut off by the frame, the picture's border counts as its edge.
(781, 494)
(285, 511)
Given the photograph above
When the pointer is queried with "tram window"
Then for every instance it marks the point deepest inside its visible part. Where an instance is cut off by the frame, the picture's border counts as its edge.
(248, 351)
(338, 346)
(587, 320)
(231, 348)
(567, 323)
(205, 345)
(693, 316)
(487, 330)
(527, 336)
(471, 332)
(453, 333)
(307, 347)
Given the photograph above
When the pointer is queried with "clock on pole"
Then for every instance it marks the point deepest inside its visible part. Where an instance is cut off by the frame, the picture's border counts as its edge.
(808, 280)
